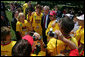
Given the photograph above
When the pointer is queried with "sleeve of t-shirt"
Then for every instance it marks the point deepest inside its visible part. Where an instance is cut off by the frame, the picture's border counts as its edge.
(82, 38)
(48, 29)
(51, 46)
(74, 41)
(17, 27)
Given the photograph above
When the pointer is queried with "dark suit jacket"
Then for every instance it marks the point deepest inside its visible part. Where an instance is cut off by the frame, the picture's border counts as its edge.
(14, 21)
(42, 21)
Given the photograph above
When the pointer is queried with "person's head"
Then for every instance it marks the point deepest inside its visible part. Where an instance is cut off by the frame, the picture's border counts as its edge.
(66, 25)
(38, 8)
(5, 34)
(29, 11)
(46, 9)
(29, 3)
(69, 16)
(2, 15)
(80, 20)
(22, 48)
(74, 19)
(52, 15)
(16, 14)
(19, 9)
(21, 17)
(56, 8)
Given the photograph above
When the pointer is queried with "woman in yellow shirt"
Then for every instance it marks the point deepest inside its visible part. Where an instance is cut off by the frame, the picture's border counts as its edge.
(36, 20)
(6, 43)
(22, 25)
(65, 42)
(29, 19)
(53, 19)
(80, 33)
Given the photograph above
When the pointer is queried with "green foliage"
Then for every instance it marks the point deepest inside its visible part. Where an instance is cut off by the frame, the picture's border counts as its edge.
(9, 16)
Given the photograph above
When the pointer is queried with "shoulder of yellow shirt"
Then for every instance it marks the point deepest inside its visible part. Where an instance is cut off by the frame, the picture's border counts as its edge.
(18, 22)
(25, 21)
(52, 42)
(12, 42)
(50, 24)
(35, 13)
(74, 41)
(82, 36)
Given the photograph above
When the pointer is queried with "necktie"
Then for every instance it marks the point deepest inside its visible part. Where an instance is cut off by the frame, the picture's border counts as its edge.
(44, 21)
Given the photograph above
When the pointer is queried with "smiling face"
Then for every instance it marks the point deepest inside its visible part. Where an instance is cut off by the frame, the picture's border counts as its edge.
(51, 17)
(8, 37)
(16, 14)
(22, 17)
(45, 11)
(75, 19)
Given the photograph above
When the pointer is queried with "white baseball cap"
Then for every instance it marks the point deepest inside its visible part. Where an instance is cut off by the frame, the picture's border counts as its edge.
(80, 17)
(69, 15)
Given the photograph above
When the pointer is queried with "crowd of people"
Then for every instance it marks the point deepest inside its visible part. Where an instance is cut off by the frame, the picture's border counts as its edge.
(41, 31)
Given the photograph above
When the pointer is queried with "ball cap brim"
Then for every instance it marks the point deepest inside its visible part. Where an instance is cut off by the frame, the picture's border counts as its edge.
(80, 17)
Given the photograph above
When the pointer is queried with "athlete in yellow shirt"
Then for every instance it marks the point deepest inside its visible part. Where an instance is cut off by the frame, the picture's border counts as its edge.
(53, 19)
(6, 49)
(36, 20)
(22, 25)
(80, 33)
(29, 19)
(6, 43)
(65, 42)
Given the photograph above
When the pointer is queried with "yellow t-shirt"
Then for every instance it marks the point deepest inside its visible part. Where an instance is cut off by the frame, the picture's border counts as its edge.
(36, 22)
(24, 7)
(54, 28)
(22, 27)
(41, 53)
(30, 18)
(80, 35)
(29, 23)
(60, 48)
(7, 49)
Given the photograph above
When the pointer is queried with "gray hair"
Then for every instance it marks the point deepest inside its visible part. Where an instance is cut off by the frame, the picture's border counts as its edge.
(20, 14)
(46, 7)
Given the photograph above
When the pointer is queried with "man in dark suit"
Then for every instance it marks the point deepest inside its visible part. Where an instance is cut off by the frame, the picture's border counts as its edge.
(4, 19)
(13, 23)
(44, 23)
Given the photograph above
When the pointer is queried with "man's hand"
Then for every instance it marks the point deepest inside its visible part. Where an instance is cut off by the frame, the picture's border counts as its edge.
(59, 34)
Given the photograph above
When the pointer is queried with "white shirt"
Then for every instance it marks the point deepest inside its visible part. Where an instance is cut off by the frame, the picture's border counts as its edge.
(46, 21)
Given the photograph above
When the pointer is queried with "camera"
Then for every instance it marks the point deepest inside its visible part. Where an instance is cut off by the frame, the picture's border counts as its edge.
(51, 33)
(35, 39)
(38, 48)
